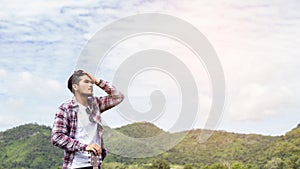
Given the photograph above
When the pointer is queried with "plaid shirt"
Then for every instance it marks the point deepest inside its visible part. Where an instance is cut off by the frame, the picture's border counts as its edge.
(65, 123)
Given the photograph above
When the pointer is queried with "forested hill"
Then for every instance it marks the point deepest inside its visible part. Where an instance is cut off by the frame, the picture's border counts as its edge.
(29, 146)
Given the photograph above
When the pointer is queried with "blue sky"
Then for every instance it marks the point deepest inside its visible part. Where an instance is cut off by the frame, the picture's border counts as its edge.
(257, 43)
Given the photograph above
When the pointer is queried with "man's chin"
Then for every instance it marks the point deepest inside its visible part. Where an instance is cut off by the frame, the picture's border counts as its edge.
(88, 95)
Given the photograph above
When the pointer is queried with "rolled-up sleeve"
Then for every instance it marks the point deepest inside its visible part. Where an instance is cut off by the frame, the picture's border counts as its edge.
(113, 98)
(60, 135)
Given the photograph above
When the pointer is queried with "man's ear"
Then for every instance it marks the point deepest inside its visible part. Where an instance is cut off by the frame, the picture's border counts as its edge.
(75, 87)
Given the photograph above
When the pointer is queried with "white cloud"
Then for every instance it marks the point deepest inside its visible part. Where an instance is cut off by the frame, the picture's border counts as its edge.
(33, 8)
(260, 102)
(2, 73)
(27, 97)
(40, 42)
(256, 43)
(152, 79)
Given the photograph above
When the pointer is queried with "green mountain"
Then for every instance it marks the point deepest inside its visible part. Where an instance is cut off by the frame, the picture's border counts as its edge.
(29, 146)
(140, 130)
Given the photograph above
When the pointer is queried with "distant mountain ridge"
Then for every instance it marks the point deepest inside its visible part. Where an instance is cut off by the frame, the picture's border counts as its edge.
(140, 130)
(29, 146)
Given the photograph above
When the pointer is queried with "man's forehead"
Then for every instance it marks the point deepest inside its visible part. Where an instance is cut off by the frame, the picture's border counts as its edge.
(85, 77)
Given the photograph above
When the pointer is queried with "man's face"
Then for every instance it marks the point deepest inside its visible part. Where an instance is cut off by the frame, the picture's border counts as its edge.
(85, 86)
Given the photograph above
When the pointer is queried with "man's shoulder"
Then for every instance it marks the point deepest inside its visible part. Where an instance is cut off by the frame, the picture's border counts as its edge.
(70, 103)
(92, 99)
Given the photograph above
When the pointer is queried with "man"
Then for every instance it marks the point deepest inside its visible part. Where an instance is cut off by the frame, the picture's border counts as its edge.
(77, 126)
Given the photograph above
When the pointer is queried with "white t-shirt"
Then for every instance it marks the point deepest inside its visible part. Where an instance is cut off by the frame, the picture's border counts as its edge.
(86, 133)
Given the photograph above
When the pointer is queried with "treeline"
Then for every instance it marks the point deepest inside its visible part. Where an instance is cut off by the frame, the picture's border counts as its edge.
(226, 150)
(28, 146)
(275, 163)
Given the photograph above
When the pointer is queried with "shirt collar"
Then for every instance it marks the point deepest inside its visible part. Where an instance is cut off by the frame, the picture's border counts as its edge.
(74, 102)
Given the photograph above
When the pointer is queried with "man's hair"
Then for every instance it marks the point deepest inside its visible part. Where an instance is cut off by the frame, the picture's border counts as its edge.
(75, 78)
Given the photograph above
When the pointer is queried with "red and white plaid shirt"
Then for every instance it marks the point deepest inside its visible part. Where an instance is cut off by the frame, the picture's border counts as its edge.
(65, 122)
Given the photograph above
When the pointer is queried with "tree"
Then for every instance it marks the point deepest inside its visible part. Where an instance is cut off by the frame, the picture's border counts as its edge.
(238, 165)
(217, 166)
(160, 164)
(114, 165)
(188, 166)
(275, 163)
(293, 162)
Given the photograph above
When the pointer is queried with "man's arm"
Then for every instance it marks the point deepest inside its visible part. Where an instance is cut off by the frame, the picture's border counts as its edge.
(60, 135)
(113, 98)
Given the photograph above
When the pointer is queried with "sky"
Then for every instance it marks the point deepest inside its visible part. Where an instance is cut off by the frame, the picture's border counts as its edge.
(257, 43)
